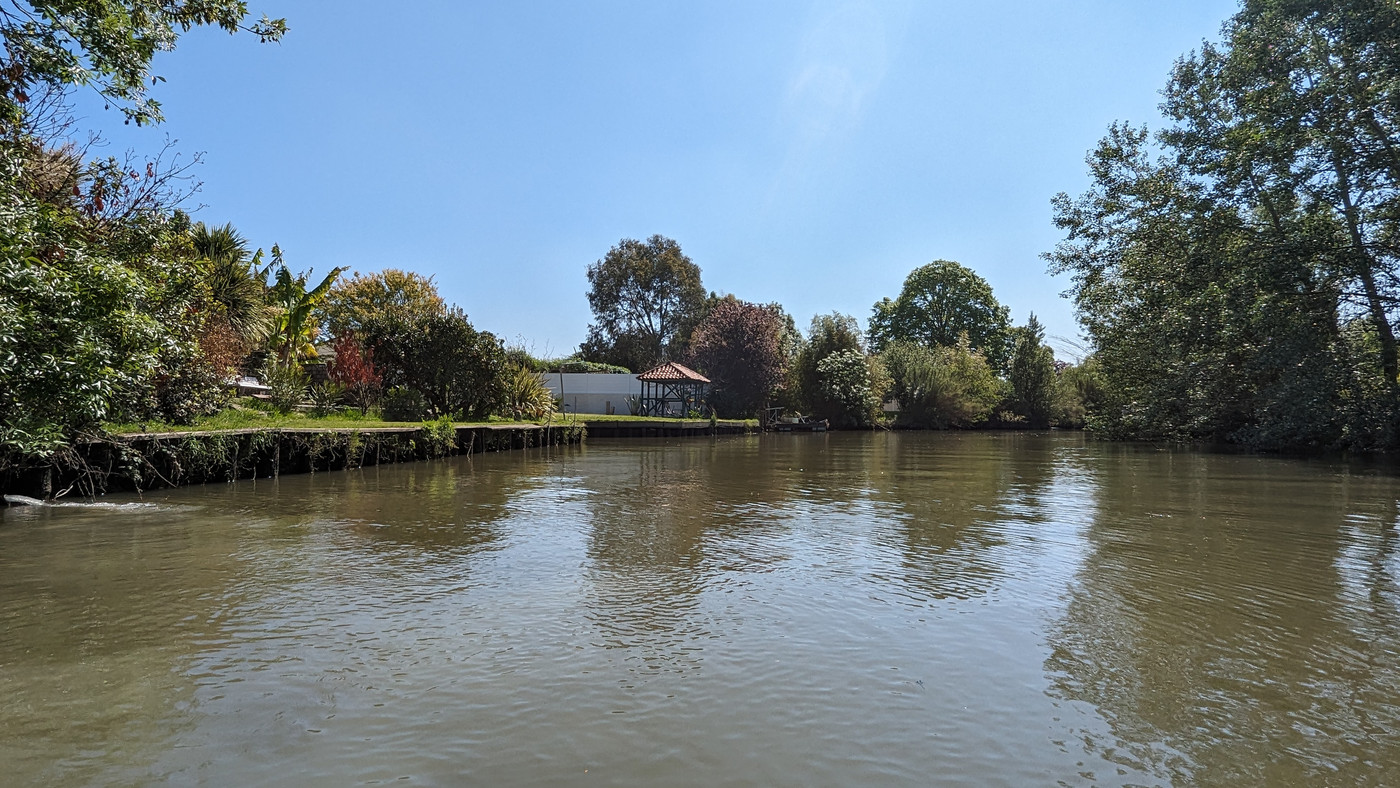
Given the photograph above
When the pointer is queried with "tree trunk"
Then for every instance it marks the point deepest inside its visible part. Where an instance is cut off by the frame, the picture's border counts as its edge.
(1366, 271)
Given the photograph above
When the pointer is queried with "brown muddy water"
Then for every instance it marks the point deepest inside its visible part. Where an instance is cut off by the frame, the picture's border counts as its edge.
(843, 610)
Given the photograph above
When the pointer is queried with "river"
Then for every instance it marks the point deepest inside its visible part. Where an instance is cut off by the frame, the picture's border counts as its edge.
(846, 609)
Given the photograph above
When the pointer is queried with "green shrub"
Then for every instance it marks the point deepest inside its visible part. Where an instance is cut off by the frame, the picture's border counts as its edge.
(440, 437)
(287, 383)
(404, 404)
(326, 398)
(579, 365)
(526, 396)
(850, 388)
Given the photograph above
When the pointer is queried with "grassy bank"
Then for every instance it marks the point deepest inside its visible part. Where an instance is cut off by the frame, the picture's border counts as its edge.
(239, 419)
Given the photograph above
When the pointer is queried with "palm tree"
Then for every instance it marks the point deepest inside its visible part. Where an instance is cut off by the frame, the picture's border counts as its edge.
(233, 284)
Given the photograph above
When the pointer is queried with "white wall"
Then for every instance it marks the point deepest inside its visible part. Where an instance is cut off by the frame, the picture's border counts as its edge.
(593, 392)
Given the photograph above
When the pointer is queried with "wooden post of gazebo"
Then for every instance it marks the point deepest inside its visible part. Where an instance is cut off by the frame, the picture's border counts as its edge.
(673, 390)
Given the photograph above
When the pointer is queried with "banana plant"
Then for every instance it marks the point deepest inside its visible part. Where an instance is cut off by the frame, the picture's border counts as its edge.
(294, 332)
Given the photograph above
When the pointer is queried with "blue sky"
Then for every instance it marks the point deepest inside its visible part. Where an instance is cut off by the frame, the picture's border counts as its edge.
(810, 153)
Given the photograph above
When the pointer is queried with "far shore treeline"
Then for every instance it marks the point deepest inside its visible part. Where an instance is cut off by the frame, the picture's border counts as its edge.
(1236, 273)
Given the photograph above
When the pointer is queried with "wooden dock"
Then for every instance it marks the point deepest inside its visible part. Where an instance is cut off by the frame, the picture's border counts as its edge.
(679, 428)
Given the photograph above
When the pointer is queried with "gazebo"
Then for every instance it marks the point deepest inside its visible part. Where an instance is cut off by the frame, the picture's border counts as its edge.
(673, 390)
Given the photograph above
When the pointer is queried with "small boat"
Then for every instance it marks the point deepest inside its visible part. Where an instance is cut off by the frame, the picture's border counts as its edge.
(800, 424)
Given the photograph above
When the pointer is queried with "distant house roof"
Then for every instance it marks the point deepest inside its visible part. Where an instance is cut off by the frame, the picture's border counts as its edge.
(671, 372)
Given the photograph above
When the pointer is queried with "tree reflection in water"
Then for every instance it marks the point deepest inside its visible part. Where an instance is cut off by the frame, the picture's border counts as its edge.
(1232, 625)
(954, 505)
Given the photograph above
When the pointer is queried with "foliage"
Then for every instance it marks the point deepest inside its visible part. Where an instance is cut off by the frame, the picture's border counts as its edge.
(526, 396)
(738, 345)
(387, 294)
(439, 437)
(942, 387)
(828, 334)
(234, 288)
(97, 320)
(570, 364)
(575, 364)
(1241, 287)
(645, 299)
(294, 329)
(850, 388)
(108, 46)
(403, 404)
(457, 369)
(938, 303)
(106, 310)
(325, 398)
(287, 383)
(353, 370)
(1079, 393)
(1032, 375)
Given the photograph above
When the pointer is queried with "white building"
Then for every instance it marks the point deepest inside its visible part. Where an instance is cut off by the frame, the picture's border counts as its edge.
(593, 392)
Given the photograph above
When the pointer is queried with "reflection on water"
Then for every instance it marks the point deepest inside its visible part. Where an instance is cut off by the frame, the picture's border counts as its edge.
(1235, 620)
(903, 609)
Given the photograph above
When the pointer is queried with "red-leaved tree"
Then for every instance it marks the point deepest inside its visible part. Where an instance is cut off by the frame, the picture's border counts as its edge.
(738, 346)
(353, 369)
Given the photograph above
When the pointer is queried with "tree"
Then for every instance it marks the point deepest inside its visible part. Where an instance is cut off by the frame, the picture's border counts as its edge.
(1201, 332)
(234, 288)
(938, 303)
(403, 294)
(1079, 393)
(832, 376)
(645, 298)
(941, 387)
(738, 346)
(353, 370)
(102, 304)
(1032, 375)
(107, 46)
(1297, 114)
(294, 330)
(850, 388)
(827, 334)
(459, 371)
(1243, 286)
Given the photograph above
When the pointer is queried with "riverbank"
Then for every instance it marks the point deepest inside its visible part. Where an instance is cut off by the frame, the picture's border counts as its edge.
(129, 459)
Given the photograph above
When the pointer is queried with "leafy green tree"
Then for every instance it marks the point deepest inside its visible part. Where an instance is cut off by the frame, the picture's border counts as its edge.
(391, 292)
(738, 345)
(1032, 375)
(832, 377)
(105, 45)
(1079, 393)
(1295, 117)
(102, 305)
(88, 335)
(1200, 335)
(938, 303)
(827, 334)
(646, 298)
(941, 387)
(459, 371)
(850, 389)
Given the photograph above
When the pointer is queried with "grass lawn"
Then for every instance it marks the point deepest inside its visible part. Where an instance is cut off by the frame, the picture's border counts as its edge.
(248, 418)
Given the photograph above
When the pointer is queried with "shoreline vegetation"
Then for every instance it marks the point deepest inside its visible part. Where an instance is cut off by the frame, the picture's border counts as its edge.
(137, 458)
(1237, 276)
(236, 420)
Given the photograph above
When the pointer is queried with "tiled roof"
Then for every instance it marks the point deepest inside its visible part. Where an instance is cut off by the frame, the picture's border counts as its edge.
(671, 371)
